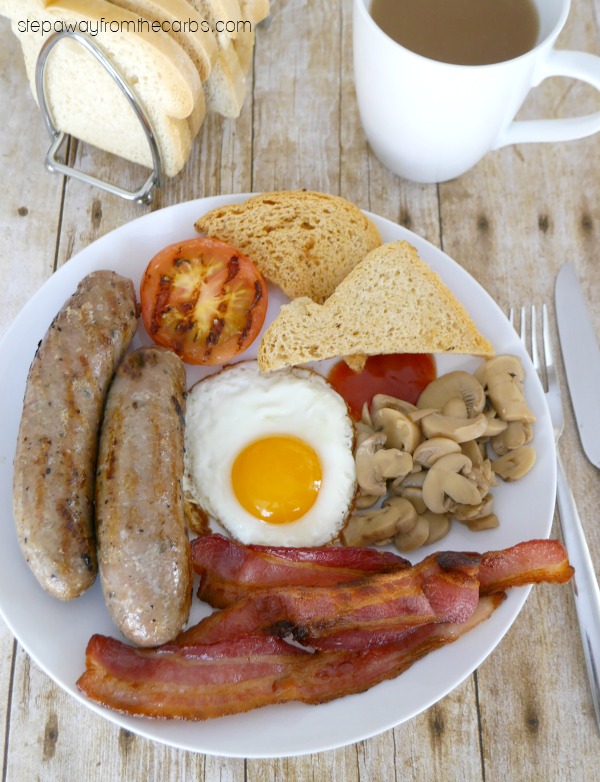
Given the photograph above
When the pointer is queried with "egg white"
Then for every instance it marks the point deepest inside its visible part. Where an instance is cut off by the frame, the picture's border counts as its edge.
(239, 405)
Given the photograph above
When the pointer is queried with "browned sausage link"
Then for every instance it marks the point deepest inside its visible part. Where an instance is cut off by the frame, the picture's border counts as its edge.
(143, 548)
(53, 487)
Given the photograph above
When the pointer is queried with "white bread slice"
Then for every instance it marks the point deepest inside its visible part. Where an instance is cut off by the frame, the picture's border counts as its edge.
(85, 101)
(158, 65)
(201, 47)
(105, 119)
(227, 87)
(392, 302)
(305, 242)
(255, 11)
(223, 11)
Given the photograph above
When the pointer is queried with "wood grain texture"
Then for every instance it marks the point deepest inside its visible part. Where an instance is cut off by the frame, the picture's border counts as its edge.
(511, 222)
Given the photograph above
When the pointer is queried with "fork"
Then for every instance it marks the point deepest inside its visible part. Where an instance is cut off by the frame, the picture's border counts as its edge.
(585, 585)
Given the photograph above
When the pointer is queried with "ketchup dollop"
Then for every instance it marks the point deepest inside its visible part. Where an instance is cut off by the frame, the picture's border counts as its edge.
(403, 375)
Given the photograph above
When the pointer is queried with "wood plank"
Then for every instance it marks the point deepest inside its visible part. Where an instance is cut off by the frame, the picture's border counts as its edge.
(512, 221)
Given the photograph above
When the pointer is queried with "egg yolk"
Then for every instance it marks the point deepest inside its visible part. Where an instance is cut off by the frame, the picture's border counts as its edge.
(277, 479)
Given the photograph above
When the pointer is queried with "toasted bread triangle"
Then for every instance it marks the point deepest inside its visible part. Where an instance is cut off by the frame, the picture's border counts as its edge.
(391, 302)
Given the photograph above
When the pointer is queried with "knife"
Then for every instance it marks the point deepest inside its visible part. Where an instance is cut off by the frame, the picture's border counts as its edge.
(581, 357)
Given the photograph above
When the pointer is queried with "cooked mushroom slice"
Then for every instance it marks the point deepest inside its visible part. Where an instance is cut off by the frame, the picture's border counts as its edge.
(456, 407)
(439, 526)
(363, 430)
(417, 536)
(399, 430)
(466, 513)
(454, 462)
(415, 496)
(458, 429)
(418, 415)
(375, 465)
(443, 488)
(502, 379)
(366, 416)
(380, 525)
(364, 501)
(516, 434)
(495, 425)
(515, 464)
(370, 481)
(429, 451)
(414, 479)
(481, 470)
(380, 401)
(486, 522)
(454, 384)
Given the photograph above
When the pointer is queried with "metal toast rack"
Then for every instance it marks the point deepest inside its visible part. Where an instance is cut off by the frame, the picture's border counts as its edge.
(54, 163)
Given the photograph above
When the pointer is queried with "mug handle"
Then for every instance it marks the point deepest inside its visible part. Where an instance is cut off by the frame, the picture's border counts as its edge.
(576, 65)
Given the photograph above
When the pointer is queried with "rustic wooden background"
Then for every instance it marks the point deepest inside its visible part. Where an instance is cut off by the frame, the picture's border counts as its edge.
(511, 222)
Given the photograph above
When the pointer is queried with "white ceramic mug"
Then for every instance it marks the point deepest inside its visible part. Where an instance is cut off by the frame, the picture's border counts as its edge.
(430, 121)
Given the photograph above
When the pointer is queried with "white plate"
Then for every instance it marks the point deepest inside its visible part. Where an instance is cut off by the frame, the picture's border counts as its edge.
(55, 634)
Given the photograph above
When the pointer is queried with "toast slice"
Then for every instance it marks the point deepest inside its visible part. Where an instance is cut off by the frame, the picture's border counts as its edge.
(391, 302)
(85, 101)
(200, 46)
(304, 242)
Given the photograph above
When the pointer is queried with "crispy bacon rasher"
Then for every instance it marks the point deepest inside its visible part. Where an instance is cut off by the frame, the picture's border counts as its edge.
(364, 631)
(229, 571)
(197, 682)
(442, 588)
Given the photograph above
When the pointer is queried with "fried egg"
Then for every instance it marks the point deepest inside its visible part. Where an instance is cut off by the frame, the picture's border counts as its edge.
(269, 456)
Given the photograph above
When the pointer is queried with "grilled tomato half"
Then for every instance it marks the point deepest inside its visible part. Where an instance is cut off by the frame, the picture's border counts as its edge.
(203, 299)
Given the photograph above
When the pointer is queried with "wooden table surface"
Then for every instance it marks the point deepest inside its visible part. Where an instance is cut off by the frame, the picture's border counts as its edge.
(526, 713)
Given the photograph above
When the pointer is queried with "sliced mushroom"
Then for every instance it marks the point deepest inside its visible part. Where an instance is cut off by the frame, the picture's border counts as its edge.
(481, 472)
(393, 463)
(458, 429)
(375, 465)
(515, 464)
(451, 385)
(466, 513)
(502, 379)
(370, 480)
(516, 434)
(456, 408)
(429, 451)
(454, 462)
(380, 525)
(486, 522)
(439, 526)
(364, 501)
(414, 495)
(385, 400)
(442, 489)
(407, 516)
(399, 430)
(362, 431)
(417, 536)
(495, 425)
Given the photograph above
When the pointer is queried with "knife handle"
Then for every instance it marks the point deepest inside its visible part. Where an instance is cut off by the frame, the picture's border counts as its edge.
(585, 584)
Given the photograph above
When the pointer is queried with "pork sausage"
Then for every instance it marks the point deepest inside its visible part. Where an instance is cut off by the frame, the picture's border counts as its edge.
(55, 460)
(143, 548)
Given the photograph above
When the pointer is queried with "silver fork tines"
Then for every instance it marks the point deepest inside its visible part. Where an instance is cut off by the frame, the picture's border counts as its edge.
(585, 585)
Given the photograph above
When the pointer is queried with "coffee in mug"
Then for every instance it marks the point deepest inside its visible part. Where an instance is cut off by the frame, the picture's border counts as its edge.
(429, 120)
(463, 32)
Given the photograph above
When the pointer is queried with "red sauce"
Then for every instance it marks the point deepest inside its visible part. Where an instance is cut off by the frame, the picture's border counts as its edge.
(403, 375)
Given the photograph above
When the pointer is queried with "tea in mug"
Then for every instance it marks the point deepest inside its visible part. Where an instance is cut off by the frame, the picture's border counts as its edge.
(464, 32)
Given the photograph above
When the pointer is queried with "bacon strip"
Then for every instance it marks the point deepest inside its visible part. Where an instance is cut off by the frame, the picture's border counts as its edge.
(198, 682)
(229, 571)
(526, 563)
(442, 588)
